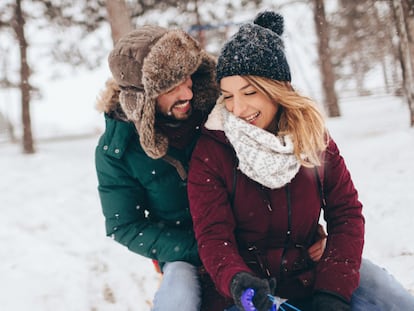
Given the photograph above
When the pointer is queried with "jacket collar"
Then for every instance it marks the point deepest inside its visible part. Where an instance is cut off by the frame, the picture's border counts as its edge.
(215, 120)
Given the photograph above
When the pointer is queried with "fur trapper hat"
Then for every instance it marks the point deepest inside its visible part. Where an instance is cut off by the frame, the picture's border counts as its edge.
(150, 61)
(257, 49)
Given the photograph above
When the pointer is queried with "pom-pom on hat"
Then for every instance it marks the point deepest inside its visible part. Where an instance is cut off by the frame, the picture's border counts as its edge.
(257, 49)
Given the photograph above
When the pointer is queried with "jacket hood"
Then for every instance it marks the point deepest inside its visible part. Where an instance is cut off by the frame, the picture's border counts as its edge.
(108, 100)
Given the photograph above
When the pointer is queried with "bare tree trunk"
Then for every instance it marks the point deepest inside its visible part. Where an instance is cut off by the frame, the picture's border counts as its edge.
(10, 129)
(119, 18)
(327, 73)
(24, 80)
(385, 76)
(200, 33)
(408, 9)
(405, 55)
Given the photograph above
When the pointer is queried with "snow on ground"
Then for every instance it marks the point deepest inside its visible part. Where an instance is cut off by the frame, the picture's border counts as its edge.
(55, 255)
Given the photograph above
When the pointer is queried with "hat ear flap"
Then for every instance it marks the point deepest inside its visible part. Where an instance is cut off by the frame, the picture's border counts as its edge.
(132, 104)
(141, 111)
(152, 141)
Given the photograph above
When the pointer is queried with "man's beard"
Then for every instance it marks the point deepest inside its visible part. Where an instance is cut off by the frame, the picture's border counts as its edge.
(165, 118)
(169, 116)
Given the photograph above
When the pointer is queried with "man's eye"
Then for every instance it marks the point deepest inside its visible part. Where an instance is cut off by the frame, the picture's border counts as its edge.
(250, 93)
(227, 97)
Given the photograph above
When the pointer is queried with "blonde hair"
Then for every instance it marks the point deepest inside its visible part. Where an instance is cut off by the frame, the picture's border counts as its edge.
(299, 118)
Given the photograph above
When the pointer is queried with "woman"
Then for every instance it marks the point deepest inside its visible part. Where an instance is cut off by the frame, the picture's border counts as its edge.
(260, 175)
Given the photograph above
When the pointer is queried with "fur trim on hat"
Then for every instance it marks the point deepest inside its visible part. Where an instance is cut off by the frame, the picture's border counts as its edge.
(169, 60)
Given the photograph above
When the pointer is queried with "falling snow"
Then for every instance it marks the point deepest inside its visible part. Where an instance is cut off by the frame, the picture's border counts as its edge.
(55, 255)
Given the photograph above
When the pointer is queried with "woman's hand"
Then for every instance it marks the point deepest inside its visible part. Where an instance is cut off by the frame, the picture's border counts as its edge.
(316, 250)
(251, 293)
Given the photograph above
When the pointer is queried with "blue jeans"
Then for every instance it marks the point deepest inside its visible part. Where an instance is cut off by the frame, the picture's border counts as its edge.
(378, 291)
(179, 289)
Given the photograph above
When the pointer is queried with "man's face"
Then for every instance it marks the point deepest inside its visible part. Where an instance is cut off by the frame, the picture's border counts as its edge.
(175, 103)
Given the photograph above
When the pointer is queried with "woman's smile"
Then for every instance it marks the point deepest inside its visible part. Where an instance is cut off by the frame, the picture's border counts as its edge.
(252, 117)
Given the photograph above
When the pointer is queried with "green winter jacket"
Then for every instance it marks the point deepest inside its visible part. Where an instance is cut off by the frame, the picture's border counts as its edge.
(144, 200)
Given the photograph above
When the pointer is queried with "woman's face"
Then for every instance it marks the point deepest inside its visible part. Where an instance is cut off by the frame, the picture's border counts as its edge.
(246, 102)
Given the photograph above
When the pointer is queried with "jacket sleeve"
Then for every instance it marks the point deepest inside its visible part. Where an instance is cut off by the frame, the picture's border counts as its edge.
(212, 215)
(338, 269)
(123, 201)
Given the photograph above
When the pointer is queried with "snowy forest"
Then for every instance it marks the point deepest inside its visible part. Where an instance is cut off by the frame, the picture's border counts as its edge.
(356, 58)
(351, 42)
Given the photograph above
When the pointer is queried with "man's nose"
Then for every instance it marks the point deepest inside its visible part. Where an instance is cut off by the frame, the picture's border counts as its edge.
(184, 92)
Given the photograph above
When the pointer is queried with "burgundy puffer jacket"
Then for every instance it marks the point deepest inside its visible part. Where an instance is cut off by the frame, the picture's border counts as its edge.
(267, 232)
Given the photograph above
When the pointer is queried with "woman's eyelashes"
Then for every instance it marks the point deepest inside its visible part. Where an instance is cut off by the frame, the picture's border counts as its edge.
(225, 97)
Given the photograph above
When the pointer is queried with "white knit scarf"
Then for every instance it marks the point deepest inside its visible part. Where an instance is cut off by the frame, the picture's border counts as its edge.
(264, 157)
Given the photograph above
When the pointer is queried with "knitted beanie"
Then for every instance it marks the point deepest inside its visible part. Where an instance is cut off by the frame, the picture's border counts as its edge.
(150, 61)
(257, 49)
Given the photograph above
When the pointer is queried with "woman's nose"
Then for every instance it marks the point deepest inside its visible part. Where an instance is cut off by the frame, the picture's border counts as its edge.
(239, 106)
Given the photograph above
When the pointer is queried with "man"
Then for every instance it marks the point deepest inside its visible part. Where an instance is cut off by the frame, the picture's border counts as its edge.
(163, 87)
